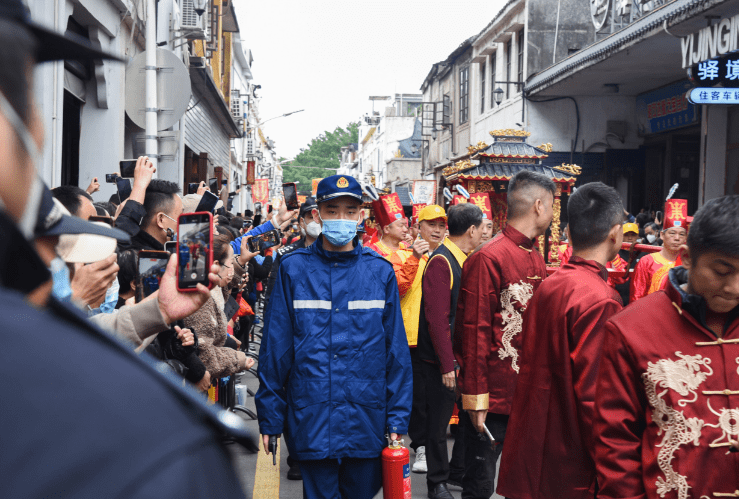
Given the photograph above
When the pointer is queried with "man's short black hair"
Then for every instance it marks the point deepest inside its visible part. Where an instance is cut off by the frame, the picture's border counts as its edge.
(159, 198)
(17, 49)
(642, 219)
(520, 201)
(114, 200)
(69, 196)
(714, 228)
(248, 213)
(237, 223)
(461, 217)
(107, 206)
(592, 211)
(128, 263)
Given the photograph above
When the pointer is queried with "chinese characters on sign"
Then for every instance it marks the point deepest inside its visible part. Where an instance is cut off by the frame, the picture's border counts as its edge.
(722, 71)
(664, 109)
(707, 95)
(424, 191)
(260, 191)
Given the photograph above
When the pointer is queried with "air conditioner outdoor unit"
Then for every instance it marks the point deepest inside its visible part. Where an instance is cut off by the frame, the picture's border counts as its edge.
(193, 26)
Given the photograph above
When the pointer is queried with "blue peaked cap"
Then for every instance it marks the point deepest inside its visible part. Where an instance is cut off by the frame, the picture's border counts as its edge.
(337, 186)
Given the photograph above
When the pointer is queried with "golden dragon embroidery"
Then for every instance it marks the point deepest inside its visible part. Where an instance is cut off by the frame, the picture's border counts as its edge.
(513, 319)
(683, 376)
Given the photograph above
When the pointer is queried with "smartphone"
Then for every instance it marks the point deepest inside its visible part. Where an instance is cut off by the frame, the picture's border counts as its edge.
(192, 188)
(152, 265)
(110, 178)
(213, 185)
(290, 192)
(194, 250)
(207, 203)
(247, 224)
(264, 241)
(124, 188)
(127, 166)
(170, 247)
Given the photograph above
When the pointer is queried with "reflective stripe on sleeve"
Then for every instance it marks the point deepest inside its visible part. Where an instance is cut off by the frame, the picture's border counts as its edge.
(366, 304)
(320, 304)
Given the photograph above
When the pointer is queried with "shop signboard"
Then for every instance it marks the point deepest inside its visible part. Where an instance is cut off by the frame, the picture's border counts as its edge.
(708, 95)
(722, 71)
(665, 108)
(719, 38)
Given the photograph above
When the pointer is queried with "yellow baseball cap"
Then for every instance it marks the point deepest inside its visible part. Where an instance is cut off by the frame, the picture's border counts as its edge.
(631, 227)
(431, 212)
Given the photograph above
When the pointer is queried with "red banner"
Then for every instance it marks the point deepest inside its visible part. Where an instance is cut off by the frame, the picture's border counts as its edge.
(459, 199)
(482, 201)
(260, 191)
(315, 186)
(250, 172)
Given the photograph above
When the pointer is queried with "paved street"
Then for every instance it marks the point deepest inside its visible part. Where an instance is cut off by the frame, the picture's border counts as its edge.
(246, 466)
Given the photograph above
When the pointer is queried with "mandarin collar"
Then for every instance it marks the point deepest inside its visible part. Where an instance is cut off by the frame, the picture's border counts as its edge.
(591, 265)
(517, 237)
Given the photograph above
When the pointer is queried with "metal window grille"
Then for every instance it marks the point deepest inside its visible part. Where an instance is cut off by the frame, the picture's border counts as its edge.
(464, 94)
(482, 87)
(492, 77)
(509, 59)
(236, 103)
(520, 41)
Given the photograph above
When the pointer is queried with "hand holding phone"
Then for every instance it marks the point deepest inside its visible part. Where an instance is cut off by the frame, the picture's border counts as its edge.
(290, 192)
(110, 178)
(194, 250)
(264, 241)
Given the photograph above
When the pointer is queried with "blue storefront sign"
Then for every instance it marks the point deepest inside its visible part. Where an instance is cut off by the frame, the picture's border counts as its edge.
(664, 109)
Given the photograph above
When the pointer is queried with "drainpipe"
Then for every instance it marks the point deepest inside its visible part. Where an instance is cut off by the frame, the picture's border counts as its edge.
(152, 147)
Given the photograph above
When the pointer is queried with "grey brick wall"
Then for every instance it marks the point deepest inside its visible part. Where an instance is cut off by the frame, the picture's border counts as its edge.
(203, 133)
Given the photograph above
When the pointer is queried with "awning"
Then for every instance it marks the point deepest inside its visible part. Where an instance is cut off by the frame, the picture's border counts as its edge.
(203, 81)
(369, 135)
(640, 57)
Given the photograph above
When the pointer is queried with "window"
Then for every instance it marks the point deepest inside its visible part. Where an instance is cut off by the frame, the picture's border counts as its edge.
(446, 110)
(509, 59)
(482, 87)
(520, 41)
(236, 104)
(464, 94)
(493, 57)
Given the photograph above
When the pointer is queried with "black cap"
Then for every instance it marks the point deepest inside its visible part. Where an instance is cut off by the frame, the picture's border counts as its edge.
(309, 205)
(52, 46)
(53, 221)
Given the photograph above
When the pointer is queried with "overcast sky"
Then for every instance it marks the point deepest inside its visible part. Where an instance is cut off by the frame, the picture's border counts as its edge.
(329, 56)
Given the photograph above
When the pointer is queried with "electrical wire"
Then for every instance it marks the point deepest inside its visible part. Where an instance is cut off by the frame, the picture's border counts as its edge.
(577, 115)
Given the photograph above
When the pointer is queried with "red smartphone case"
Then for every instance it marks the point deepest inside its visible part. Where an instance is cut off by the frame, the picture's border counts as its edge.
(209, 258)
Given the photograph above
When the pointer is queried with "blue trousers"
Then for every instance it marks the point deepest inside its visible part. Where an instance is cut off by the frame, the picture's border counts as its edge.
(346, 478)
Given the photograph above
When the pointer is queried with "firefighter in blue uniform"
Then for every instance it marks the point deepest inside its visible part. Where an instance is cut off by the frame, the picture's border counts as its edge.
(334, 369)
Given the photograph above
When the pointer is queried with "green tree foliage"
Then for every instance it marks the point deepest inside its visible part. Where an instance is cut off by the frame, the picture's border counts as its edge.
(321, 156)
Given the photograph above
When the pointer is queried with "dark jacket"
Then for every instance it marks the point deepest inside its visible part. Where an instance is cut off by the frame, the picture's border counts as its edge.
(113, 410)
(276, 266)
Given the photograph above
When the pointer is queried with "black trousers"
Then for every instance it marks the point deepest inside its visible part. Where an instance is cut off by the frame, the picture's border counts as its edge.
(480, 457)
(417, 425)
(456, 464)
(439, 408)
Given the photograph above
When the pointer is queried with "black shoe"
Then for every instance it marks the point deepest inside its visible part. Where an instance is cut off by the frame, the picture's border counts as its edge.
(440, 492)
(455, 480)
(294, 472)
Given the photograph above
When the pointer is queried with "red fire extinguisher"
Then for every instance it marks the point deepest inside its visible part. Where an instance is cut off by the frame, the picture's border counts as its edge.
(396, 472)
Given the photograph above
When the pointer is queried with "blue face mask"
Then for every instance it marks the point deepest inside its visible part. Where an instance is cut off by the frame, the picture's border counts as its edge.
(61, 290)
(339, 232)
(111, 300)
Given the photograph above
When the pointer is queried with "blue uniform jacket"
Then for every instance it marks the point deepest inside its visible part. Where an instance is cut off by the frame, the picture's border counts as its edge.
(334, 366)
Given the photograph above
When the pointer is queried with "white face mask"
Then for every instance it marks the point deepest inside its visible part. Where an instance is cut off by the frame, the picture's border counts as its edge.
(651, 238)
(28, 220)
(313, 229)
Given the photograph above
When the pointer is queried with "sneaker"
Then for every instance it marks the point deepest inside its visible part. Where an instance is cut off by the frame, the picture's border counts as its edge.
(419, 465)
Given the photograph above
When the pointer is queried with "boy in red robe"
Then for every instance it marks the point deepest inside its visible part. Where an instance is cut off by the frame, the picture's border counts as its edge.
(666, 419)
(548, 450)
(498, 281)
